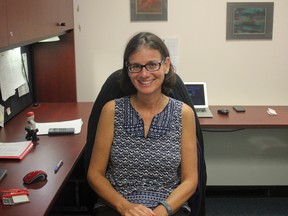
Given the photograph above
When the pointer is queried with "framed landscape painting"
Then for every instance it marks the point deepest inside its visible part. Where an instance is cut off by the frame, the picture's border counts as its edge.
(249, 20)
(148, 10)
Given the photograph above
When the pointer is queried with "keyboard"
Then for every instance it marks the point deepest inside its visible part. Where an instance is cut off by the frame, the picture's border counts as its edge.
(200, 109)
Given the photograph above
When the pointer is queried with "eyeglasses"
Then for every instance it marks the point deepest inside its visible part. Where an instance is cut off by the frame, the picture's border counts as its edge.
(150, 66)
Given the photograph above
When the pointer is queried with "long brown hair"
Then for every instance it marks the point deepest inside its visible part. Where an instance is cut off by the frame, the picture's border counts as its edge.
(151, 41)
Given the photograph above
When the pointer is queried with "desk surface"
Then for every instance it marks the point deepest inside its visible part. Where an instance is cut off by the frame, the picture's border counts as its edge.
(45, 155)
(254, 117)
(255, 156)
(49, 150)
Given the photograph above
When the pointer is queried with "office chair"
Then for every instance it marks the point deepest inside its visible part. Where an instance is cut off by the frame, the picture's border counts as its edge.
(111, 90)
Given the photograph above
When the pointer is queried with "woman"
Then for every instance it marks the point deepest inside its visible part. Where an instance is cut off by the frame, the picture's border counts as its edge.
(144, 160)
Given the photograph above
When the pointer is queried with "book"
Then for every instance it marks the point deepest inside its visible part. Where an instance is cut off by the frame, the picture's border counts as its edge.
(15, 150)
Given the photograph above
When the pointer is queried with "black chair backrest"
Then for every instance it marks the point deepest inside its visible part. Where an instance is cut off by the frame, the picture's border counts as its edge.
(111, 90)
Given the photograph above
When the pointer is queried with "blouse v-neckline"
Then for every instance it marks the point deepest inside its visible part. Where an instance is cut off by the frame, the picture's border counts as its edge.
(159, 126)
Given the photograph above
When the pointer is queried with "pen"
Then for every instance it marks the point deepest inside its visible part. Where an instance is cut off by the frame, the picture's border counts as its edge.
(57, 167)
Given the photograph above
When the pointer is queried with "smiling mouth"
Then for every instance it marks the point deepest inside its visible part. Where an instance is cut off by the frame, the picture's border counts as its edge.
(145, 82)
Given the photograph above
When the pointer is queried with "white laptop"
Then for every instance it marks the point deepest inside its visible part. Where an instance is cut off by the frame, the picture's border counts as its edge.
(198, 94)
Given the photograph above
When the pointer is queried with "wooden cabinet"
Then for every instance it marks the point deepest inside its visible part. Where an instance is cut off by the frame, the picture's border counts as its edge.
(30, 20)
(54, 70)
(66, 14)
(3, 24)
(23, 23)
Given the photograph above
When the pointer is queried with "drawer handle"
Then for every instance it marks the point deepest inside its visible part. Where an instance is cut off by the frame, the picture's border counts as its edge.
(61, 24)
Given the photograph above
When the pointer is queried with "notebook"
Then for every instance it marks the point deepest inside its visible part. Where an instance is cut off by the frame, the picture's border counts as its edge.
(198, 94)
(15, 150)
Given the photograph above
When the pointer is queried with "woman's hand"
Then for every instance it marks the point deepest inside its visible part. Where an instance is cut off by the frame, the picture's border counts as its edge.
(138, 210)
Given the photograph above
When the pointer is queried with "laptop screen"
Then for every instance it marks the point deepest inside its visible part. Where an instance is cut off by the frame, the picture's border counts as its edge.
(197, 93)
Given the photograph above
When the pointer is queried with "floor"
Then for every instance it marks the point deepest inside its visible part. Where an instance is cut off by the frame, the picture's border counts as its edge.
(228, 207)
(253, 201)
(277, 206)
(226, 202)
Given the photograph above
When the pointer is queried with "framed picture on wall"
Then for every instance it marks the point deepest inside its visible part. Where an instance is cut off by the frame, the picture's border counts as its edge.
(252, 20)
(148, 10)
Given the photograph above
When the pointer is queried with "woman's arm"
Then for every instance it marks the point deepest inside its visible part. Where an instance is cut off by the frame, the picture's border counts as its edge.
(189, 168)
(99, 162)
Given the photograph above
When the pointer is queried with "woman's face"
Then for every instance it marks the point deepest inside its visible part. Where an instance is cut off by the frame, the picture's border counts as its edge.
(147, 82)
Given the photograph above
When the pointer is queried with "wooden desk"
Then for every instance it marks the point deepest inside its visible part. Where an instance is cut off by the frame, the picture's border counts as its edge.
(246, 149)
(45, 155)
(254, 117)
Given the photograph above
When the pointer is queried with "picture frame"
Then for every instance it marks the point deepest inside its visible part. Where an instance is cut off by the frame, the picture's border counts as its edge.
(249, 20)
(152, 10)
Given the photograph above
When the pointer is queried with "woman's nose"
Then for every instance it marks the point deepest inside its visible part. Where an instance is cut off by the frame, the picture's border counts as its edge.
(144, 72)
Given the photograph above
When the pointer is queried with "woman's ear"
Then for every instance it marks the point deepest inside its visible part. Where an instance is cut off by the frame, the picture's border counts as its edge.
(167, 65)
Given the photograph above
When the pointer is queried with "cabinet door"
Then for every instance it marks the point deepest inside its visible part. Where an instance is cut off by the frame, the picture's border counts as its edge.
(54, 70)
(3, 24)
(66, 14)
(30, 19)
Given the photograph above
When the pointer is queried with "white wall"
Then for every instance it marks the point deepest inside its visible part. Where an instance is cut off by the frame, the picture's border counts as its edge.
(237, 72)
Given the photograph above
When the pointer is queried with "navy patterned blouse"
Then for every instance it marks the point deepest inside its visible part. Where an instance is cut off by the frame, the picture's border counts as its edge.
(143, 169)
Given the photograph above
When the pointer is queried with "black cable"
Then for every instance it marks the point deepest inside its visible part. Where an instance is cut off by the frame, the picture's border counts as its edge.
(223, 130)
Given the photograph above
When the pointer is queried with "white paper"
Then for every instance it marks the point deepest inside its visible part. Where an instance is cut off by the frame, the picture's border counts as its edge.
(20, 199)
(173, 47)
(23, 89)
(11, 76)
(44, 127)
(271, 111)
(1, 116)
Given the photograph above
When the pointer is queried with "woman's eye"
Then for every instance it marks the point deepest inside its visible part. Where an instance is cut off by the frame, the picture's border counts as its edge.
(152, 65)
(135, 66)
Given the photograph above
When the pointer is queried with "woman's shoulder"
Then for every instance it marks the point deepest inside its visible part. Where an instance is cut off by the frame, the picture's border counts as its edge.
(175, 101)
(110, 105)
(179, 102)
(186, 109)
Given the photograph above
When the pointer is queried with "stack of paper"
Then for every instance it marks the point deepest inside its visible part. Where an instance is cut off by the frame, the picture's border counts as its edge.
(44, 127)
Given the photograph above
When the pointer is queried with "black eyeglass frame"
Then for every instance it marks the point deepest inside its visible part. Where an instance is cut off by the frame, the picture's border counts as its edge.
(142, 66)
